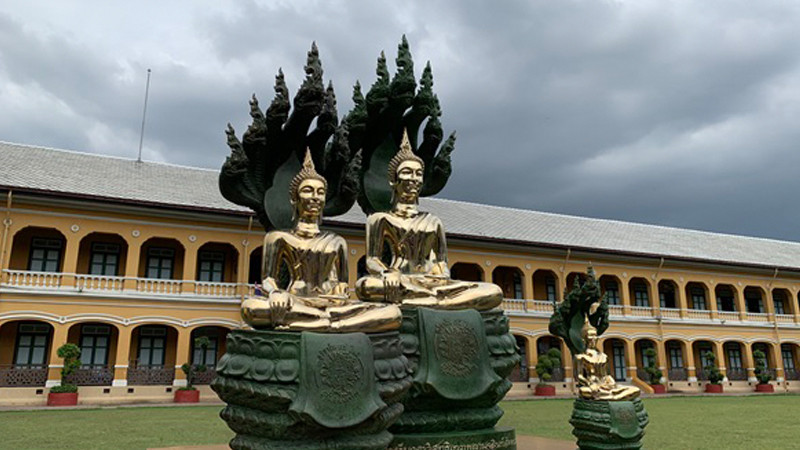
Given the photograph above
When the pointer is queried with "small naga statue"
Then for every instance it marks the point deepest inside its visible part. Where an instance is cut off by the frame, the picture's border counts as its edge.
(316, 298)
(416, 271)
(579, 319)
(594, 382)
(605, 414)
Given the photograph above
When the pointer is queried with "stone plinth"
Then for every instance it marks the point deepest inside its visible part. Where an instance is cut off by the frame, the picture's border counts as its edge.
(606, 425)
(461, 361)
(310, 390)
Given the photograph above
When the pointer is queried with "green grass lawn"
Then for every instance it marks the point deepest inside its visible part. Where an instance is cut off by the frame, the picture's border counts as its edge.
(754, 422)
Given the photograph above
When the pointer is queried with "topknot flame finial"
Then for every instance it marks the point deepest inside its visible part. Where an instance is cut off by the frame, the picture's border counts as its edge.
(308, 171)
(406, 153)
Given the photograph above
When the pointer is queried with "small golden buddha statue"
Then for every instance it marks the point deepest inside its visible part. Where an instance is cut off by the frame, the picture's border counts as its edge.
(418, 274)
(594, 382)
(316, 298)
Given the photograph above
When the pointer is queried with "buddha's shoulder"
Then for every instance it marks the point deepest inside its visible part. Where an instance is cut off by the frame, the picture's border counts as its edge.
(330, 237)
(275, 236)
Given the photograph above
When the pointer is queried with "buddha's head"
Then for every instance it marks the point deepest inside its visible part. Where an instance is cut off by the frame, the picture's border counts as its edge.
(406, 173)
(590, 335)
(307, 192)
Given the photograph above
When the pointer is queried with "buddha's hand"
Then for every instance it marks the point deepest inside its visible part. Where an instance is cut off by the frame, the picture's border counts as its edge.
(280, 303)
(392, 286)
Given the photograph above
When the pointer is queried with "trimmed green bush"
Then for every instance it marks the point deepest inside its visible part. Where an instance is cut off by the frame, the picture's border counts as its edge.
(71, 354)
(652, 371)
(711, 370)
(547, 363)
(762, 374)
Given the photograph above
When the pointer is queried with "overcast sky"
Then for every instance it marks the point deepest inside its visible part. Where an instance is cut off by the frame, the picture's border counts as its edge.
(680, 113)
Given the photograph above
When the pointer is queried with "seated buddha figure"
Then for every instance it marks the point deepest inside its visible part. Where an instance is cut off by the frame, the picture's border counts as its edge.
(417, 274)
(594, 382)
(316, 298)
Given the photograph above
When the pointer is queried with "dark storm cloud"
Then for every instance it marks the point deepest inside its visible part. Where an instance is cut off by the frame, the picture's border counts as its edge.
(677, 113)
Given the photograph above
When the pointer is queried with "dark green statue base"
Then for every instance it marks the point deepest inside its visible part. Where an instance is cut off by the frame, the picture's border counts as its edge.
(311, 391)
(606, 425)
(461, 361)
(490, 439)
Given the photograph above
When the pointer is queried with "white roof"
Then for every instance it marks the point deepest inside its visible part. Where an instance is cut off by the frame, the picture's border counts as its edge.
(83, 174)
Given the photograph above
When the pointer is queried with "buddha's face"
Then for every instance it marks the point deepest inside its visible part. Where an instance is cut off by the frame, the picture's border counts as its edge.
(408, 181)
(591, 336)
(310, 199)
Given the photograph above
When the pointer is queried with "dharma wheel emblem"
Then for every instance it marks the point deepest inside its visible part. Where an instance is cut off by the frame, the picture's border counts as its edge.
(456, 347)
(341, 373)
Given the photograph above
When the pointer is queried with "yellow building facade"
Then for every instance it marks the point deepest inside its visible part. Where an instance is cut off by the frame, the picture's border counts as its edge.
(132, 261)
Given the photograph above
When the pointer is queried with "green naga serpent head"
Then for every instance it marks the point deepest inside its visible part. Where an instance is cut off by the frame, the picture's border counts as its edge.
(584, 303)
(353, 155)
(376, 124)
(261, 166)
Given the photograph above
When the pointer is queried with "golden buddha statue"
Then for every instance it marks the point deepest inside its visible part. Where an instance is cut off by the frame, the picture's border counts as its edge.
(418, 274)
(594, 382)
(316, 298)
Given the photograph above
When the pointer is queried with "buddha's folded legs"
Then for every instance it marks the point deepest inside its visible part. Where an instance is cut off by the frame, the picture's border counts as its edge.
(259, 313)
(483, 297)
(370, 318)
(373, 289)
(459, 295)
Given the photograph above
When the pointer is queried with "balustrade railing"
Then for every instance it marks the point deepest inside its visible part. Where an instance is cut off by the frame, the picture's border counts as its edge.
(150, 375)
(543, 306)
(701, 314)
(513, 304)
(214, 289)
(23, 376)
(678, 374)
(702, 375)
(102, 283)
(784, 318)
(671, 313)
(616, 310)
(91, 376)
(757, 317)
(728, 316)
(31, 279)
(114, 284)
(641, 311)
(158, 286)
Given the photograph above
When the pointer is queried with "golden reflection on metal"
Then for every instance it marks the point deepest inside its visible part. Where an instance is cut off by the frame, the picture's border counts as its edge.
(594, 382)
(417, 274)
(316, 298)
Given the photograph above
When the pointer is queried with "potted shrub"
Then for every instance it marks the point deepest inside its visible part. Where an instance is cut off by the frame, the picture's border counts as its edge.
(762, 374)
(66, 394)
(189, 393)
(547, 363)
(714, 375)
(653, 373)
